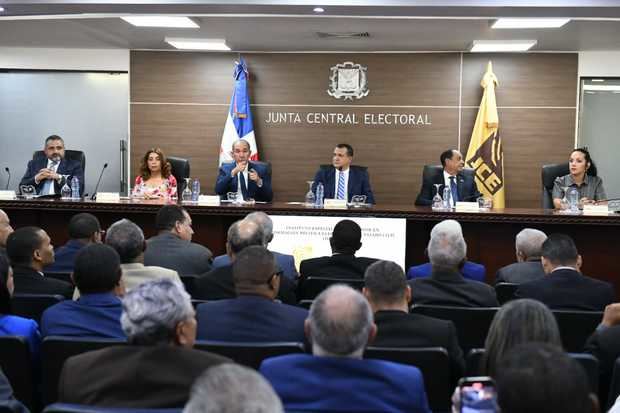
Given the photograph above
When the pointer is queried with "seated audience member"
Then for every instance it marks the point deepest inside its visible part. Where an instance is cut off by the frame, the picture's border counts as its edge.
(172, 247)
(389, 295)
(286, 262)
(518, 322)
(219, 284)
(30, 250)
(564, 287)
(45, 173)
(248, 179)
(128, 240)
(158, 366)
(528, 245)
(84, 229)
(336, 377)
(345, 241)
(97, 312)
(462, 186)
(343, 180)
(11, 325)
(6, 395)
(230, 388)
(253, 315)
(155, 180)
(470, 270)
(5, 230)
(446, 286)
(583, 177)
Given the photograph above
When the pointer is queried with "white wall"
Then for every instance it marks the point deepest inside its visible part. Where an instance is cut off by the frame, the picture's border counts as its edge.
(64, 59)
(599, 63)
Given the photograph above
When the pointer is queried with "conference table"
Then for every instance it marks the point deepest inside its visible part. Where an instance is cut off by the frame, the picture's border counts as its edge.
(490, 234)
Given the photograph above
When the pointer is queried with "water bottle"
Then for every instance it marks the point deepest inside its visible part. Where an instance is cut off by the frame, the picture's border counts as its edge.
(75, 188)
(573, 199)
(195, 190)
(447, 198)
(320, 193)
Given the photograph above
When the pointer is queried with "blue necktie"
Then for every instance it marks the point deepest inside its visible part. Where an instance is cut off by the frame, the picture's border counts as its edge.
(244, 188)
(48, 183)
(454, 190)
(340, 185)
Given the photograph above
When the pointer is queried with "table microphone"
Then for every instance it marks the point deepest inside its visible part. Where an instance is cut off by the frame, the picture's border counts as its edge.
(94, 196)
(9, 178)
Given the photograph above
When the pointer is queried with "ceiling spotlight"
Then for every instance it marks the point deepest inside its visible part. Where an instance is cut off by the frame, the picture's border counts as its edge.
(534, 23)
(198, 44)
(502, 45)
(161, 21)
(1, 9)
(318, 10)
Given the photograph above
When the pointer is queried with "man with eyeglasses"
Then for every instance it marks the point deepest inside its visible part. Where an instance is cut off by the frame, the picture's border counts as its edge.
(84, 229)
(255, 315)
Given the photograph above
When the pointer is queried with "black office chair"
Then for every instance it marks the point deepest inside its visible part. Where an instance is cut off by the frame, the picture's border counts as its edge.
(55, 350)
(309, 288)
(11, 406)
(430, 172)
(196, 303)
(33, 305)
(359, 167)
(614, 387)
(181, 170)
(189, 281)
(473, 362)
(434, 364)
(305, 304)
(576, 326)
(82, 408)
(15, 360)
(69, 154)
(62, 276)
(249, 354)
(505, 292)
(548, 175)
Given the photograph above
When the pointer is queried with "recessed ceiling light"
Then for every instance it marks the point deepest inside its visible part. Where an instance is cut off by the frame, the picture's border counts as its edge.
(161, 21)
(318, 10)
(1, 9)
(602, 88)
(198, 44)
(598, 80)
(515, 23)
(502, 45)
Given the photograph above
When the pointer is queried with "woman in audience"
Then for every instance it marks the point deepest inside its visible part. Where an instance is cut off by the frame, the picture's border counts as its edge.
(583, 177)
(11, 325)
(518, 322)
(155, 179)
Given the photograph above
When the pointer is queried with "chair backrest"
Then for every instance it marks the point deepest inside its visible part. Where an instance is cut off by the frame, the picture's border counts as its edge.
(196, 303)
(614, 387)
(505, 292)
(305, 304)
(434, 364)
(82, 408)
(249, 354)
(189, 281)
(33, 305)
(181, 170)
(313, 286)
(473, 362)
(548, 175)
(360, 167)
(55, 350)
(576, 326)
(62, 276)
(15, 360)
(472, 324)
(431, 171)
(69, 154)
(590, 365)
(11, 406)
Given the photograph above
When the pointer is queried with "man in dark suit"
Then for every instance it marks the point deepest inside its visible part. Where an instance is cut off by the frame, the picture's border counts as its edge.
(5, 230)
(250, 179)
(345, 241)
(389, 296)
(30, 249)
(172, 247)
(84, 229)
(157, 367)
(253, 316)
(564, 287)
(343, 180)
(218, 284)
(528, 245)
(45, 173)
(447, 251)
(462, 184)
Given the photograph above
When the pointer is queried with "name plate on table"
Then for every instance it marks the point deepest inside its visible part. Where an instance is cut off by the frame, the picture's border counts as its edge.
(335, 203)
(595, 210)
(211, 200)
(108, 197)
(466, 207)
(5, 195)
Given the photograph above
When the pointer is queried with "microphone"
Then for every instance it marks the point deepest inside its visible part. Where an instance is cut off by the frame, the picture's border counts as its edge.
(94, 196)
(8, 171)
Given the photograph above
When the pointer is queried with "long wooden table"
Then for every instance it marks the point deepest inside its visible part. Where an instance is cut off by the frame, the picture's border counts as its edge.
(489, 235)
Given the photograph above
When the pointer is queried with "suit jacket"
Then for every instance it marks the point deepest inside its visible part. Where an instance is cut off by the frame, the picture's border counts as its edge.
(604, 344)
(335, 266)
(285, 262)
(567, 289)
(12, 325)
(359, 183)
(451, 289)
(135, 274)
(470, 270)
(250, 318)
(169, 251)
(520, 272)
(29, 281)
(226, 183)
(64, 257)
(218, 284)
(134, 376)
(400, 329)
(66, 167)
(465, 184)
(6, 395)
(342, 384)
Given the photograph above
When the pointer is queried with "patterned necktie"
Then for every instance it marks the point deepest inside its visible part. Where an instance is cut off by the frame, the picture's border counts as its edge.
(48, 184)
(341, 185)
(454, 190)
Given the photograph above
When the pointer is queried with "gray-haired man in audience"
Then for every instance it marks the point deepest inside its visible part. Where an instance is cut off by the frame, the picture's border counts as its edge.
(528, 246)
(156, 369)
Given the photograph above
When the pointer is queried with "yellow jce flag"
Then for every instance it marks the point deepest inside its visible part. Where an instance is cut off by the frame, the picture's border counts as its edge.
(485, 154)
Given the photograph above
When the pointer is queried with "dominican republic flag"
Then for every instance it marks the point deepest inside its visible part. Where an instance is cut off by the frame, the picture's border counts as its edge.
(239, 121)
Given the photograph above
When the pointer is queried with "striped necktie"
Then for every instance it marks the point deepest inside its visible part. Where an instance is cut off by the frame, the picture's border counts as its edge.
(341, 194)
(48, 184)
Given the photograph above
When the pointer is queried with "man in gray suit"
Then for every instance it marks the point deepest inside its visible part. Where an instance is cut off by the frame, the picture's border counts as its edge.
(172, 247)
(528, 245)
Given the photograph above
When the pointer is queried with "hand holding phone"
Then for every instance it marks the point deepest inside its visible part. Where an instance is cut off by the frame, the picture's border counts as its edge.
(478, 395)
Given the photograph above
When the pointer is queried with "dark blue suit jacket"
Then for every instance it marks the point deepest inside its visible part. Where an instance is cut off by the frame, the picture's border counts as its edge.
(66, 167)
(465, 184)
(64, 257)
(250, 318)
(470, 270)
(226, 183)
(342, 384)
(359, 183)
(286, 263)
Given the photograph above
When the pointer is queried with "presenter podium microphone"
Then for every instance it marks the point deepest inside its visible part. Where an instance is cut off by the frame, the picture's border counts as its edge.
(94, 195)
(8, 171)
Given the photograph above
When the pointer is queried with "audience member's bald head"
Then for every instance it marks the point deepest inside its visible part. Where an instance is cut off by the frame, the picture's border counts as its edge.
(5, 228)
(266, 224)
(528, 244)
(243, 234)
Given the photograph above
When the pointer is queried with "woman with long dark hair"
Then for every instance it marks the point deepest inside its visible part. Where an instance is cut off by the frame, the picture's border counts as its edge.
(583, 176)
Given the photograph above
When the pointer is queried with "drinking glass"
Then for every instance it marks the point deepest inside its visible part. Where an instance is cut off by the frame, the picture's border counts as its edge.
(310, 198)
(186, 195)
(232, 197)
(437, 200)
(564, 201)
(485, 204)
(65, 191)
